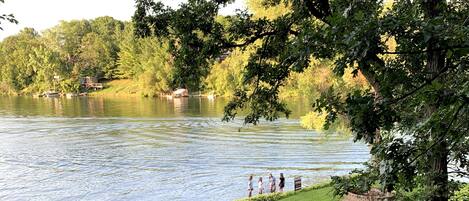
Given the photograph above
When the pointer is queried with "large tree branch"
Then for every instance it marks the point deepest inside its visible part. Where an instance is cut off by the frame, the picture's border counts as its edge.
(428, 50)
(443, 137)
(319, 9)
(365, 68)
(254, 39)
(420, 87)
(260, 36)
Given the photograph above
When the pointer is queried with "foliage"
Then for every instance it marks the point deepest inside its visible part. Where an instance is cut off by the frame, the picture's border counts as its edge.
(192, 27)
(313, 121)
(150, 64)
(227, 76)
(67, 51)
(358, 182)
(104, 48)
(66, 39)
(413, 54)
(417, 193)
(260, 10)
(316, 121)
(462, 194)
(16, 65)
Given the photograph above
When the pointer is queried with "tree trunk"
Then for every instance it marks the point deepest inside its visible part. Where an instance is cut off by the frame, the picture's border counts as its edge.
(438, 156)
(438, 176)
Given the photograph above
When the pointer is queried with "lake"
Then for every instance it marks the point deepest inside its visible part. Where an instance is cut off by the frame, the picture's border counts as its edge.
(96, 148)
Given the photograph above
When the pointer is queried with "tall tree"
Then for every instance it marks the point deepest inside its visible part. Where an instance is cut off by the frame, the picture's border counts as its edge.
(16, 73)
(109, 30)
(66, 38)
(128, 62)
(97, 57)
(46, 64)
(415, 116)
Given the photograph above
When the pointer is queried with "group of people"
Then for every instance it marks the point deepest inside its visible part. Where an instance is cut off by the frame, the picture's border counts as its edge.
(272, 184)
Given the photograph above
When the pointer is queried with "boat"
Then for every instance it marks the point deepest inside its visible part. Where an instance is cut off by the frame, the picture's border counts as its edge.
(211, 97)
(71, 95)
(51, 94)
(178, 93)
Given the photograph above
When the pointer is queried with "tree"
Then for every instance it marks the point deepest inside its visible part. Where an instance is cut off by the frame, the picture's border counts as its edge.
(66, 38)
(45, 64)
(128, 62)
(27, 64)
(97, 57)
(227, 76)
(415, 115)
(109, 31)
(147, 61)
(16, 73)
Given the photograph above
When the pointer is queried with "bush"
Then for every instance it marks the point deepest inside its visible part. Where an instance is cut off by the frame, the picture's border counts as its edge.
(313, 121)
(70, 85)
(316, 121)
(417, 193)
(360, 182)
(462, 194)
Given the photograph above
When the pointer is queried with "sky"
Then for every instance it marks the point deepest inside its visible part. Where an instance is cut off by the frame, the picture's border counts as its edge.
(43, 14)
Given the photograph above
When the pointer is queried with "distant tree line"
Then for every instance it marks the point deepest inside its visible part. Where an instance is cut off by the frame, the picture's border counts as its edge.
(104, 48)
(107, 49)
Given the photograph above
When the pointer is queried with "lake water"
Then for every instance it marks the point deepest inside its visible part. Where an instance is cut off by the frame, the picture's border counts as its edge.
(155, 149)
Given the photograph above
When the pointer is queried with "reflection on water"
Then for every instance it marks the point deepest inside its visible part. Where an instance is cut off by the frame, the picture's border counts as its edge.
(153, 149)
(123, 107)
(180, 105)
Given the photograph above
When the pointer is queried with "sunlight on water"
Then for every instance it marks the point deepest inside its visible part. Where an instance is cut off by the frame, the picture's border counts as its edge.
(154, 149)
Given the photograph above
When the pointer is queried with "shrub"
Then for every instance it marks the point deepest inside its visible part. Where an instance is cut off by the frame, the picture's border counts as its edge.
(359, 182)
(316, 121)
(462, 194)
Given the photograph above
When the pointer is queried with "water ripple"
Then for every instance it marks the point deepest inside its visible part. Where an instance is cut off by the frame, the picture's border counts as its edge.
(180, 158)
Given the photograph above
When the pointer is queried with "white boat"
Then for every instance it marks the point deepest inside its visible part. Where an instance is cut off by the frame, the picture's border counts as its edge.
(180, 93)
(211, 97)
(71, 95)
(51, 94)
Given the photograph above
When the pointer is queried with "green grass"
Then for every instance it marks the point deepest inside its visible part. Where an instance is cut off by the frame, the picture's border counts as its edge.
(320, 192)
(118, 88)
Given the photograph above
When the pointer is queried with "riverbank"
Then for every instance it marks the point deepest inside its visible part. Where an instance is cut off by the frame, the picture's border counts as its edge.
(125, 87)
(319, 192)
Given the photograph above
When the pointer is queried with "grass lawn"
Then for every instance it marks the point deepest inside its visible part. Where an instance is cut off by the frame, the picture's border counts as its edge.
(321, 194)
(118, 88)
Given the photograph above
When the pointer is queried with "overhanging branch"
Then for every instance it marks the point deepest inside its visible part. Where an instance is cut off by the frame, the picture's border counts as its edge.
(426, 51)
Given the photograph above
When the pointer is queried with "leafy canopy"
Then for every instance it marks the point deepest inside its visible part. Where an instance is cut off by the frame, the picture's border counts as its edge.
(413, 53)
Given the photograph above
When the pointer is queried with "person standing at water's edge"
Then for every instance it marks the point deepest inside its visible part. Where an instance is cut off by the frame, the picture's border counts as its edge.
(250, 188)
(261, 186)
(272, 185)
(281, 184)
